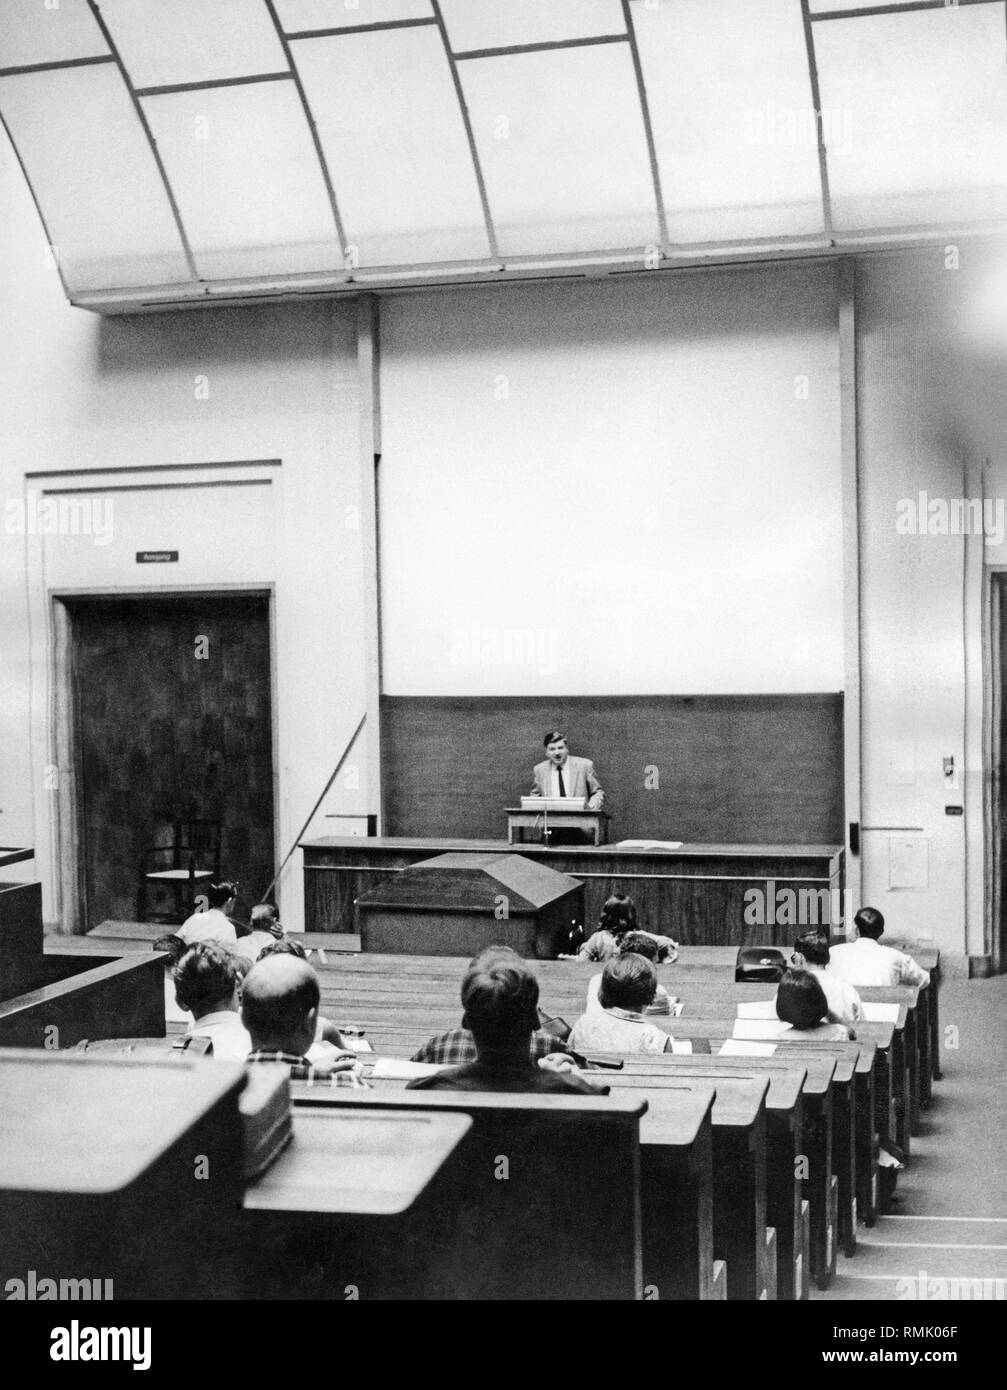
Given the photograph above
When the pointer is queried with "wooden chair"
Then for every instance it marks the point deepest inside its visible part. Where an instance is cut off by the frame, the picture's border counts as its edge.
(177, 868)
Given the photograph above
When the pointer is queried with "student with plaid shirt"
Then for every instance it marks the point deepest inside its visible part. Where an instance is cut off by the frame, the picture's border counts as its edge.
(279, 1007)
(457, 1047)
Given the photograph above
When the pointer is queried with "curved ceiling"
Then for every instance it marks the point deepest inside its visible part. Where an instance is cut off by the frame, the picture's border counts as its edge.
(193, 149)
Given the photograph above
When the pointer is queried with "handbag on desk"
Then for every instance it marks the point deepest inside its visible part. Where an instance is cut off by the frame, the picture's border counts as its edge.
(759, 965)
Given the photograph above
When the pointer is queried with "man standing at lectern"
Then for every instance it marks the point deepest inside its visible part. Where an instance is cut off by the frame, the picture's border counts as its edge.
(563, 775)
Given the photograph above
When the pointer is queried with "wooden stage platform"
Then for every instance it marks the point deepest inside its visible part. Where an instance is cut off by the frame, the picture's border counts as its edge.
(699, 894)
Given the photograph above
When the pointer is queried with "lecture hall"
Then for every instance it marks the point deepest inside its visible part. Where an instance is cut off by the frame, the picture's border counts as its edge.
(503, 595)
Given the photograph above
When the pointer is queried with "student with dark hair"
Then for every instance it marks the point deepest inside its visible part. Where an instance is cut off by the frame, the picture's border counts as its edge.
(627, 988)
(279, 1007)
(457, 1047)
(811, 953)
(500, 999)
(800, 1001)
(618, 919)
(214, 924)
(640, 943)
(207, 983)
(864, 961)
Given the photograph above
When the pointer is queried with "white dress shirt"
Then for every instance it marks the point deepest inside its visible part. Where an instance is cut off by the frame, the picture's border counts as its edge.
(211, 925)
(554, 772)
(231, 1042)
(842, 999)
(866, 962)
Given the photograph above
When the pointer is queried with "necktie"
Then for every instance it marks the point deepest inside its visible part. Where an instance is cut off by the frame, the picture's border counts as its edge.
(562, 788)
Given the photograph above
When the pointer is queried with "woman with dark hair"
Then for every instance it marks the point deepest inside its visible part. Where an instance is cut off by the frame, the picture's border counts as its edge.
(214, 923)
(628, 985)
(618, 919)
(801, 1002)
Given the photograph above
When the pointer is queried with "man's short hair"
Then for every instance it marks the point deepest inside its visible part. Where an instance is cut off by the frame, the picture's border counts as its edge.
(814, 947)
(800, 1000)
(174, 945)
(553, 736)
(285, 947)
(266, 917)
(277, 997)
(217, 894)
(500, 999)
(205, 975)
(628, 982)
(494, 952)
(640, 944)
(869, 922)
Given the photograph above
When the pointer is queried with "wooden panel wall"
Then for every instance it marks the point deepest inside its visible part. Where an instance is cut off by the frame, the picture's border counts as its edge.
(763, 769)
(163, 735)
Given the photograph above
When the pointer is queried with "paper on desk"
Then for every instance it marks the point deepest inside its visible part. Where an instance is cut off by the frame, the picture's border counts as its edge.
(397, 1069)
(681, 1047)
(650, 844)
(758, 1008)
(734, 1047)
(879, 1013)
(759, 1028)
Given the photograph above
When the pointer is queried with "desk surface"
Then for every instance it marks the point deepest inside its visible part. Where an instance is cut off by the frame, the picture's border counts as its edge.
(348, 1162)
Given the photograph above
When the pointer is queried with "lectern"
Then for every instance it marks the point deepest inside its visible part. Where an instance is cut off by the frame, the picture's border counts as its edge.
(457, 904)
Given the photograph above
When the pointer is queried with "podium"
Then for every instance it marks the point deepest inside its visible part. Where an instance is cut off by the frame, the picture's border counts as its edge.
(595, 823)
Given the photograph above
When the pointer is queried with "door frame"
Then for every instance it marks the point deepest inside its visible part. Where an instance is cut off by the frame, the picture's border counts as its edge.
(64, 753)
(993, 599)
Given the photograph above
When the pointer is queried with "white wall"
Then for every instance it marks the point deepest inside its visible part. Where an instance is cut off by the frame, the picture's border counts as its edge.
(931, 368)
(629, 487)
(77, 392)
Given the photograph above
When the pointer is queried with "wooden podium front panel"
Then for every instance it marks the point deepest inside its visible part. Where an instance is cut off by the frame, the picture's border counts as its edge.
(696, 894)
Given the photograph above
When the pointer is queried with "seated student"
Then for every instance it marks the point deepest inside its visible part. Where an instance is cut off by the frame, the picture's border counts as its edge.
(207, 980)
(457, 1047)
(801, 1002)
(811, 953)
(618, 917)
(265, 929)
(214, 924)
(175, 949)
(864, 961)
(500, 999)
(328, 1038)
(628, 985)
(640, 943)
(279, 1007)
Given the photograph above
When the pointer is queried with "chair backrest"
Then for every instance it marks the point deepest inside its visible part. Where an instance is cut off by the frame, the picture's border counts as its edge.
(199, 836)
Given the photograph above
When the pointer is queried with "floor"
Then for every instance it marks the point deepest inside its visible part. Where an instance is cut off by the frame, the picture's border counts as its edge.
(947, 1236)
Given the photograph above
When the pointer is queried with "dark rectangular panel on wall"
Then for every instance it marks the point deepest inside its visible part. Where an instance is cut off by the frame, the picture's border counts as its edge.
(173, 724)
(763, 769)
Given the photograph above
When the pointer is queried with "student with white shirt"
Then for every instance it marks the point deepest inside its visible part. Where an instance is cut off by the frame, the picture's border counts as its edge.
(628, 986)
(865, 962)
(214, 924)
(265, 929)
(811, 953)
(207, 980)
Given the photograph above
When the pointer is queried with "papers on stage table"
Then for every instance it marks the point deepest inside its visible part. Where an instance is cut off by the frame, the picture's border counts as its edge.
(649, 844)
